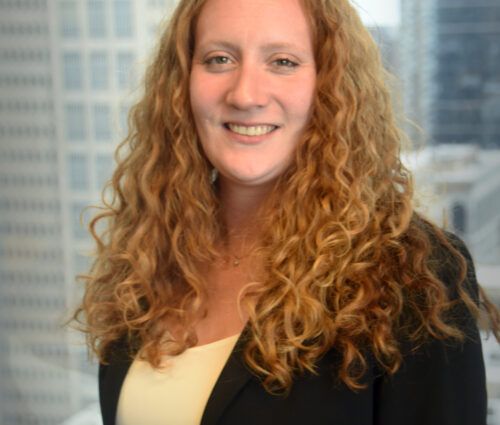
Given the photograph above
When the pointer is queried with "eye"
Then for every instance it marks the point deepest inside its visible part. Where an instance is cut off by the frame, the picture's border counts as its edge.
(217, 60)
(285, 63)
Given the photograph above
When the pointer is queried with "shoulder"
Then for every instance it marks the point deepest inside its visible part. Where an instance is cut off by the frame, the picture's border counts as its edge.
(112, 371)
(448, 258)
(441, 380)
(118, 352)
(454, 267)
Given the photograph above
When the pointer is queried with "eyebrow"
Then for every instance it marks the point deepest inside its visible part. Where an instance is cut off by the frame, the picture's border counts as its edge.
(268, 47)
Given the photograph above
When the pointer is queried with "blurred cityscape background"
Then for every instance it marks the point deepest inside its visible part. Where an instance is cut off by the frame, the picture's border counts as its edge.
(69, 71)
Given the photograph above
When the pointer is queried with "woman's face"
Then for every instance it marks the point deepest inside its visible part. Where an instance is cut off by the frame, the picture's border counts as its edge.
(252, 85)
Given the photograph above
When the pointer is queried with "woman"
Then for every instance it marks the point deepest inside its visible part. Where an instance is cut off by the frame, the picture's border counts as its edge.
(263, 263)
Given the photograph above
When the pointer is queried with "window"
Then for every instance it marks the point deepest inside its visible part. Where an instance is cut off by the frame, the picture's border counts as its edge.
(75, 122)
(124, 110)
(81, 263)
(99, 70)
(78, 172)
(157, 3)
(79, 229)
(97, 18)
(68, 18)
(123, 18)
(459, 218)
(124, 61)
(72, 71)
(102, 122)
(104, 169)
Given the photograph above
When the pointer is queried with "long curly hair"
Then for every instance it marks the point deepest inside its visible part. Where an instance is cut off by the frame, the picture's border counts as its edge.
(347, 261)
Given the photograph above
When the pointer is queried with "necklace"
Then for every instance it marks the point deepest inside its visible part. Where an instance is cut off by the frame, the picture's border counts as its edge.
(233, 260)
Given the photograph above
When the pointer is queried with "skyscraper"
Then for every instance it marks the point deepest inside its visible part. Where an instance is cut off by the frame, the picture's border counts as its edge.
(417, 39)
(451, 67)
(66, 68)
(467, 103)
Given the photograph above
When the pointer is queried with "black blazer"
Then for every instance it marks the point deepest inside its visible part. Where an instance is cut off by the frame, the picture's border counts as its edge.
(442, 383)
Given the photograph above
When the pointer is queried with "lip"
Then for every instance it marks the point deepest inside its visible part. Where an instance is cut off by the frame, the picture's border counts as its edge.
(249, 140)
(249, 124)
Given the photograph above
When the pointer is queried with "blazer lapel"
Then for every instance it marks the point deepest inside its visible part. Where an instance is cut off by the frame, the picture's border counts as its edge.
(233, 377)
(111, 379)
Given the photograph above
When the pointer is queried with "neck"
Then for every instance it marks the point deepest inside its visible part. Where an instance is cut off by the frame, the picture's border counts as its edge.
(241, 209)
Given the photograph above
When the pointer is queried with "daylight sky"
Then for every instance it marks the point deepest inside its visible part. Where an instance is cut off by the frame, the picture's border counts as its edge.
(378, 12)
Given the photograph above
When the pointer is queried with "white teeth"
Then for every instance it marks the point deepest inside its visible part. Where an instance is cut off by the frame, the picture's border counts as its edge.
(254, 130)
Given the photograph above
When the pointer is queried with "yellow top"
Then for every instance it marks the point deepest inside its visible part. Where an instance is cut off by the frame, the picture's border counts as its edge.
(176, 394)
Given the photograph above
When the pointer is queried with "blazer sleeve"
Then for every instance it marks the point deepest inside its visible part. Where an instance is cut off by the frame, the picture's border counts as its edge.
(443, 382)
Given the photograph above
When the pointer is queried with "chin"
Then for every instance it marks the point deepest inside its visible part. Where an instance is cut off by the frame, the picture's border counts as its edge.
(247, 179)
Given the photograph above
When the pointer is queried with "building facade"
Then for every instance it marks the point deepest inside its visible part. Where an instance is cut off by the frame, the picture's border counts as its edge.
(467, 104)
(459, 188)
(451, 67)
(417, 44)
(66, 84)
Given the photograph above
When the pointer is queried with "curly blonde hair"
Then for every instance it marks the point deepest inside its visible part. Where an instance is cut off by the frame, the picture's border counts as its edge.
(348, 263)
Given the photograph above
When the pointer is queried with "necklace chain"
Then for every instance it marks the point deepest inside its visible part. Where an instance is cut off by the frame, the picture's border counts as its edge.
(234, 260)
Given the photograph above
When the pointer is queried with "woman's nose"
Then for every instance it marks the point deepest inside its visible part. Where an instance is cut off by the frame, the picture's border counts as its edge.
(247, 89)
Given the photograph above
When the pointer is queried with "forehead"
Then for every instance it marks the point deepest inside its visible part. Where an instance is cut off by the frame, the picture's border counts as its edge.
(253, 21)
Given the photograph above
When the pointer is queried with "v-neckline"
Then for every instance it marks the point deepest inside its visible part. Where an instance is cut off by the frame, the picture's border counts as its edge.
(233, 377)
(235, 374)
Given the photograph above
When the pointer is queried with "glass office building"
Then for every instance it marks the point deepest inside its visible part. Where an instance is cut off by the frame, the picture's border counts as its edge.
(66, 78)
(451, 69)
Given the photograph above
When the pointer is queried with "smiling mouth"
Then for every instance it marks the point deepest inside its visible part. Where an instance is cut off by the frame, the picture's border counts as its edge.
(251, 130)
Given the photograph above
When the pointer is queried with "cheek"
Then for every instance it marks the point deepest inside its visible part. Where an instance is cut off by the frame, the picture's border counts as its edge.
(308, 98)
(196, 98)
(299, 102)
(199, 94)
(205, 91)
